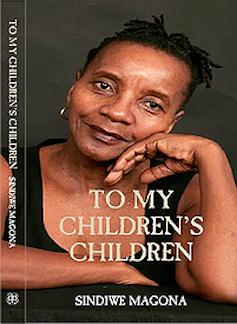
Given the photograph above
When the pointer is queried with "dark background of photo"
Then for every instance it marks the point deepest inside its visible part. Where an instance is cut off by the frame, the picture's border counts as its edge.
(61, 32)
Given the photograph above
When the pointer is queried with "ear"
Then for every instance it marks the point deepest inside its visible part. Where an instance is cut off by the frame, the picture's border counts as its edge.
(77, 78)
(78, 75)
(177, 117)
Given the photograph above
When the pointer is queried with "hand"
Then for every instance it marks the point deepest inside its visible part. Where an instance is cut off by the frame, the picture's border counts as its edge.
(180, 152)
(128, 275)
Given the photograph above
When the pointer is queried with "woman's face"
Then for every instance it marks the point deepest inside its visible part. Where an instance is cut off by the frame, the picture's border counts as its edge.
(127, 93)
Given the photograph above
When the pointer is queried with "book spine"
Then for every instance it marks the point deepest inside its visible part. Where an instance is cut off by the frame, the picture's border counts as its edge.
(13, 114)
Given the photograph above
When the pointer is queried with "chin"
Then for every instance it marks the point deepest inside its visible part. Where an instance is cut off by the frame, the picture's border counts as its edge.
(100, 154)
(99, 149)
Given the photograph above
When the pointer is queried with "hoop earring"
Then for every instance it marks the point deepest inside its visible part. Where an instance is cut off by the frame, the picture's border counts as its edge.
(62, 113)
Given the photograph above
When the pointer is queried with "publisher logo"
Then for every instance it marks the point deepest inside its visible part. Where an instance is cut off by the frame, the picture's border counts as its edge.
(12, 298)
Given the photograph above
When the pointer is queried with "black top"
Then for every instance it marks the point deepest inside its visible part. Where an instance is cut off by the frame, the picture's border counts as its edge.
(32, 218)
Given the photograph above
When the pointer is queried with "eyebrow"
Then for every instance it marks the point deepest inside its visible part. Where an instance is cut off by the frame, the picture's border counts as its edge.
(109, 75)
(151, 92)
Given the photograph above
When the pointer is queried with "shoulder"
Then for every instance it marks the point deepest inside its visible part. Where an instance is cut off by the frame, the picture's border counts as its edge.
(6, 178)
(37, 154)
(191, 196)
(50, 162)
(5, 170)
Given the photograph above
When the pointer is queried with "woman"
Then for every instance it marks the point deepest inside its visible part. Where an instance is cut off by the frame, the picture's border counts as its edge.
(121, 110)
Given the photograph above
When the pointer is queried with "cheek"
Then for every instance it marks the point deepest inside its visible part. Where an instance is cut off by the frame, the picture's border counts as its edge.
(148, 127)
(81, 105)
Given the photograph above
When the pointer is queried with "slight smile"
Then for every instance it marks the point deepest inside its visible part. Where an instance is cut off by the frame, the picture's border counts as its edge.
(108, 137)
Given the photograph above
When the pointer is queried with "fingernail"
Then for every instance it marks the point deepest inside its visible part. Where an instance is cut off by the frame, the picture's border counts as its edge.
(113, 177)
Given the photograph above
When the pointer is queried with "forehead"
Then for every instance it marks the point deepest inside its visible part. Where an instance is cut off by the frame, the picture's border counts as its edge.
(133, 62)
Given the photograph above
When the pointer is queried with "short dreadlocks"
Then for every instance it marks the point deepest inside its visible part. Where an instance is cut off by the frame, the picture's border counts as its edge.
(153, 34)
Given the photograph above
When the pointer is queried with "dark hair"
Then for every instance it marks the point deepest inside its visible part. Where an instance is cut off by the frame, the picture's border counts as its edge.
(153, 34)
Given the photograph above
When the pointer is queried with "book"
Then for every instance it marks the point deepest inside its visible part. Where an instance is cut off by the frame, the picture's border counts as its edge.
(44, 48)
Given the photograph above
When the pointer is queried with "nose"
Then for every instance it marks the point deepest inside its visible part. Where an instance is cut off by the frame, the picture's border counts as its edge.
(120, 110)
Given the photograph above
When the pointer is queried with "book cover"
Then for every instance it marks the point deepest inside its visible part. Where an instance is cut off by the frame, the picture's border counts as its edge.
(133, 248)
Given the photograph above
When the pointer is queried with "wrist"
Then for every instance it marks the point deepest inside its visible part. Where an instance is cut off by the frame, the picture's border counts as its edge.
(210, 153)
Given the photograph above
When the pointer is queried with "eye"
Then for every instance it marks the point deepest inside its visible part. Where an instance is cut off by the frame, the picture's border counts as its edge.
(153, 105)
(103, 86)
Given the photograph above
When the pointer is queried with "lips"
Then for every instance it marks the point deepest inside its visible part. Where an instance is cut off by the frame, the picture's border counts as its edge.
(105, 135)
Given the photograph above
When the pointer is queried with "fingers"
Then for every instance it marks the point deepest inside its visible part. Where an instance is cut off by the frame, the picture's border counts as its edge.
(130, 159)
(155, 173)
(169, 167)
(110, 167)
(136, 153)
(152, 148)
(113, 177)
(176, 156)
(126, 163)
